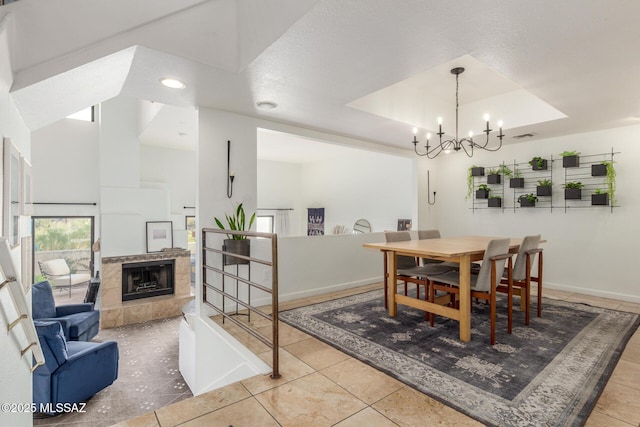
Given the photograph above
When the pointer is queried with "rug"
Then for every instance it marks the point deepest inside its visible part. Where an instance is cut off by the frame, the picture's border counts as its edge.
(549, 373)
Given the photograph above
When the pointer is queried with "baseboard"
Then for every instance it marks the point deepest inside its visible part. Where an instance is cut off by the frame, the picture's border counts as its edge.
(592, 292)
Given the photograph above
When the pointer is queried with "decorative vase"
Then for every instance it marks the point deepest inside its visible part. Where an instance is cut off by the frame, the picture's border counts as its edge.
(570, 161)
(516, 183)
(543, 190)
(494, 178)
(240, 247)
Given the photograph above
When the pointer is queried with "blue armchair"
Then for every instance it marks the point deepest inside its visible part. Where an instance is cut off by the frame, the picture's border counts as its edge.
(80, 322)
(73, 371)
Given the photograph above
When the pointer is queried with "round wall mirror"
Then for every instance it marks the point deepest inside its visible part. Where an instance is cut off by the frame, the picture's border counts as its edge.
(362, 226)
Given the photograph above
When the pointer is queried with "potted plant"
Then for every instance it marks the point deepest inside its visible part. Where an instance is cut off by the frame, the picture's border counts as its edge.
(471, 172)
(493, 176)
(538, 164)
(527, 200)
(236, 243)
(483, 191)
(600, 198)
(573, 190)
(611, 181)
(570, 159)
(517, 181)
(495, 202)
(544, 187)
(599, 169)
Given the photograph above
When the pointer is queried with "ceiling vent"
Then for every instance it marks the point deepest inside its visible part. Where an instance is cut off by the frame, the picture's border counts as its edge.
(524, 135)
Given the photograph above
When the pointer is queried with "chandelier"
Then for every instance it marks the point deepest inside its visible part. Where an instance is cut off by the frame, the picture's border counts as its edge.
(455, 144)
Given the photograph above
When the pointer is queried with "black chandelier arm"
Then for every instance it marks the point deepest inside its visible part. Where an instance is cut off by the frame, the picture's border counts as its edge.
(486, 143)
(431, 153)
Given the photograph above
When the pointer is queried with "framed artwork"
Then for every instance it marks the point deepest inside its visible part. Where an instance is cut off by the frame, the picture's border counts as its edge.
(404, 225)
(159, 235)
(11, 193)
(26, 188)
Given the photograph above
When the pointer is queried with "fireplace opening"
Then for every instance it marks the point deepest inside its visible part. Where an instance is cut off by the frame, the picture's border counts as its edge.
(147, 279)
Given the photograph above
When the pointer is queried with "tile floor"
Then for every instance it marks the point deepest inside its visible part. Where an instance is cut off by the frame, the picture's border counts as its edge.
(321, 386)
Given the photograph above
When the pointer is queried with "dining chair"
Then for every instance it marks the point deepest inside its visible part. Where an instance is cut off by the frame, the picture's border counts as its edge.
(522, 277)
(484, 283)
(408, 269)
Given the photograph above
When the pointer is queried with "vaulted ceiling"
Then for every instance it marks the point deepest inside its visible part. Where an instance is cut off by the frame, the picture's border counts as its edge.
(371, 69)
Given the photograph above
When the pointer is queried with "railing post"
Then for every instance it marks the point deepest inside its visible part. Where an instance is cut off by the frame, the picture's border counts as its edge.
(274, 308)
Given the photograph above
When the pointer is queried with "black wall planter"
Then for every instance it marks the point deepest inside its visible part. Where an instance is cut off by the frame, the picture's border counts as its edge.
(573, 193)
(570, 162)
(482, 194)
(598, 170)
(543, 190)
(240, 247)
(478, 171)
(600, 199)
(494, 178)
(524, 203)
(542, 167)
(516, 183)
(495, 202)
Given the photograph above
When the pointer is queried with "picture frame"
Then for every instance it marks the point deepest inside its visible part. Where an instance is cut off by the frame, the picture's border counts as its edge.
(11, 193)
(159, 235)
(26, 187)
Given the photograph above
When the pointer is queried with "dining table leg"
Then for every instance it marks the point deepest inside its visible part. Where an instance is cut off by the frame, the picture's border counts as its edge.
(393, 279)
(465, 298)
(385, 279)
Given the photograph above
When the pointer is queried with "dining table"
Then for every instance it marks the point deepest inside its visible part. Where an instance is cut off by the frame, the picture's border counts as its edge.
(463, 250)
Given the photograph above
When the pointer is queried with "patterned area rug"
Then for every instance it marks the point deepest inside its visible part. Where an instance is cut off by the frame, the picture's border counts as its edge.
(549, 373)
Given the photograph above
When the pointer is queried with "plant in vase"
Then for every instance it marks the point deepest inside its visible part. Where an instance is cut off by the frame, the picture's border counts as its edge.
(573, 190)
(495, 202)
(570, 159)
(544, 187)
(611, 181)
(527, 200)
(236, 243)
(493, 176)
(538, 163)
(600, 197)
(471, 172)
(517, 181)
(483, 191)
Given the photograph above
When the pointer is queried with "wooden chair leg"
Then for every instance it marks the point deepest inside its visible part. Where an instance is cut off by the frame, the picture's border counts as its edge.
(432, 298)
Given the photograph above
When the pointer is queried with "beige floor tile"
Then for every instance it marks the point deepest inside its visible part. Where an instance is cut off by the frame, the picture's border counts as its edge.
(146, 420)
(408, 407)
(252, 343)
(598, 419)
(247, 412)
(367, 417)
(620, 402)
(313, 400)
(185, 410)
(316, 354)
(291, 368)
(286, 334)
(595, 301)
(627, 373)
(363, 381)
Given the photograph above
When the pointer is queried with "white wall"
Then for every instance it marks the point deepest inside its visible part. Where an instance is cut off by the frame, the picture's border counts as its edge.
(280, 187)
(14, 369)
(589, 250)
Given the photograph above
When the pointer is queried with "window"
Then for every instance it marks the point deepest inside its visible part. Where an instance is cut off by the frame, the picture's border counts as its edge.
(264, 224)
(85, 115)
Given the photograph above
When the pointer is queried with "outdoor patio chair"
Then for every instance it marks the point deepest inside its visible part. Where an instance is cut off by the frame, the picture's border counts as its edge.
(58, 273)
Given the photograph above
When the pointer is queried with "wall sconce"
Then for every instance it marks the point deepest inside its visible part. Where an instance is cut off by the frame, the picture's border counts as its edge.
(230, 174)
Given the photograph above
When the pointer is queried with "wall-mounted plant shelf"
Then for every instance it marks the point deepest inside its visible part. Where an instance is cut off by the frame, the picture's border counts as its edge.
(477, 171)
(516, 183)
(572, 193)
(599, 170)
(495, 202)
(601, 199)
(571, 161)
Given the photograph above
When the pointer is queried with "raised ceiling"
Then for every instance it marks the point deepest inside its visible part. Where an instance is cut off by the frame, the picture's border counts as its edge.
(319, 59)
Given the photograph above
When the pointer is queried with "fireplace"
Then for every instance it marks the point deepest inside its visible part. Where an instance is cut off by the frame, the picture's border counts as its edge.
(147, 279)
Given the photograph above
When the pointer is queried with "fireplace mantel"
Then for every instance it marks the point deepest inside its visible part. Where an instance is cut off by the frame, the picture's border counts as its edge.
(115, 312)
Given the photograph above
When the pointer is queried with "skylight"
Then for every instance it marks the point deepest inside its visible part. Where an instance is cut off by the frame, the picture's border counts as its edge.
(86, 115)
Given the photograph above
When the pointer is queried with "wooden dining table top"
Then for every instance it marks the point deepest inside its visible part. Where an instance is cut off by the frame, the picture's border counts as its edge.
(449, 247)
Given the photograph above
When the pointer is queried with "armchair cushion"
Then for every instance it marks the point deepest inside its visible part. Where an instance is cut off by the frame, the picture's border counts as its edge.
(74, 371)
(55, 267)
(79, 322)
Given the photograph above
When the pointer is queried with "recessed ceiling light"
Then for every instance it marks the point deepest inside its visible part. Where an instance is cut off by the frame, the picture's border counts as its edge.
(173, 83)
(266, 105)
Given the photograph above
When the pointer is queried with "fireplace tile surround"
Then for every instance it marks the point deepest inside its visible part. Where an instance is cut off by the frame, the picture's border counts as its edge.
(115, 312)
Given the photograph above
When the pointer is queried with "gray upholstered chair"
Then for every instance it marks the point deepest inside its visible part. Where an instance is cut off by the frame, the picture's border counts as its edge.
(484, 283)
(408, 269)
(522, 276)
